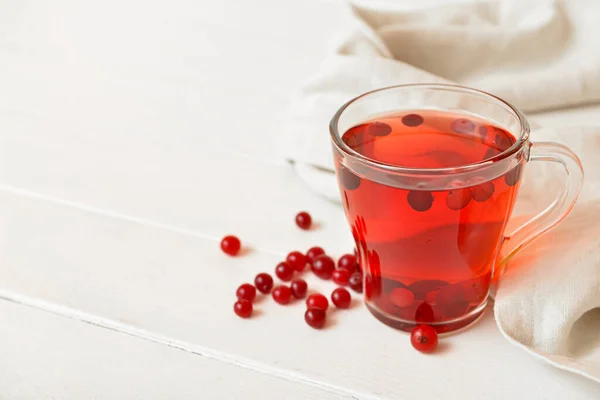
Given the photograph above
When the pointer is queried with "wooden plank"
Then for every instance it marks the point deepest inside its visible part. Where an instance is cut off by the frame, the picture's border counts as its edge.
(45, 356)
(179, 289)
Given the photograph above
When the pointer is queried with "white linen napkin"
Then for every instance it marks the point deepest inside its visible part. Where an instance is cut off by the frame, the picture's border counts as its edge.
(535, 54)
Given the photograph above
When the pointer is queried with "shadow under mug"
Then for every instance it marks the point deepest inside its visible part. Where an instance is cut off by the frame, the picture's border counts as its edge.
(438, 266)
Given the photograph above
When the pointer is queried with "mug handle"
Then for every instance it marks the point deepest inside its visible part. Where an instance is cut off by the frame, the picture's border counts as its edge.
(556, 211)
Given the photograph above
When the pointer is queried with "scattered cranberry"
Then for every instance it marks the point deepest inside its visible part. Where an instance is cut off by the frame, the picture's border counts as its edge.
(313, 253)
(348, 262)
(284, 271)
(356, 282)
(323, 266)
(402, 297)
(230, 245)
(315, 317)
(282, 294)
(246, 292)
(317, 300)
(297, 260)
(299, 288)
(424, 338)
(263, 282)
(303, 220)
(341, 298)
(243, 308)
(340, 276)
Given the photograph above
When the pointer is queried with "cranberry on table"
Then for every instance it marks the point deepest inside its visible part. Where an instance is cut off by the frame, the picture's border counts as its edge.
(317, 300)
(243, 308)
(263, 282)
(231, 245)
(348, 262)
(303, 220)
(284, 271)
(424, 338)
(356, 282)
(282, 294)
(299, 288)
(297, 260)
(340, 277)
(323, 266)
(341, 298)
(313, 253)
(315, 317)
(246, 292)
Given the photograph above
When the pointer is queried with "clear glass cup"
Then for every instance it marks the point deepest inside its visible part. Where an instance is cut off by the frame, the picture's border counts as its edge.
(424, 259)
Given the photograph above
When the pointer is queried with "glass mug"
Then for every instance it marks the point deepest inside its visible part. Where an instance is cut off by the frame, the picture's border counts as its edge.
(428, 176)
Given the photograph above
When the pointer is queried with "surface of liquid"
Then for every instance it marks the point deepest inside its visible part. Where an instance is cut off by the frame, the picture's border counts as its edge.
(427, 256)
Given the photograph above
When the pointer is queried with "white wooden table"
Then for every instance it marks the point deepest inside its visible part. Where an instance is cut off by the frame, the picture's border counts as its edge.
(133, 136)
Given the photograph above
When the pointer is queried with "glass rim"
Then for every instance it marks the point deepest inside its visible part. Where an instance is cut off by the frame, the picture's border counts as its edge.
(348, 151)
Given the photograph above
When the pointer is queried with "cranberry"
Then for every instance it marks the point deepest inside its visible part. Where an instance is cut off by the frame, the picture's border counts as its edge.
(412, 120)
(313, 253)
(230, 245)
(315, 317)
(303, 220)
(246, 292)
(317, 300)
(424, 314)
(284, 271)
(323, 266)
(482, 192)
(512, 177)
(243, 308)
(420, 200)
(348, 179)
(402, 297)
(340, 277)
(356, 282)
(341, 298)
(424, 338)
(297, 260)
(458, 199)
(282, 294)
(263, 282)
(379, 129)
(483, 132)
(462, 126)
(348, 262)
(299, 288)
(421, 288)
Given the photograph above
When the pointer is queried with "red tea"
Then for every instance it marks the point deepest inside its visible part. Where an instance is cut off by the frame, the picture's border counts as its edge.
(427, 256)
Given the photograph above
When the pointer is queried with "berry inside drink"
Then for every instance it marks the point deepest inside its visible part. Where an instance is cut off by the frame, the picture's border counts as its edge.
(427, 255)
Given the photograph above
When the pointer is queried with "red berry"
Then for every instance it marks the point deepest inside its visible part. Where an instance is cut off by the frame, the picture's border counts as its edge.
(313, 253)
(424, 338)
(299, 288)
(243, 308)
(284, 271)
(402, 297)
(356, 282)
(246, 292)
(282, 294)
(317, 300)
(230, 245)
(297, 260)
(323, 266)
(340, 276)
(341, 298)
(347, 262)
(315, 317)
(303, 220)
(263, 282)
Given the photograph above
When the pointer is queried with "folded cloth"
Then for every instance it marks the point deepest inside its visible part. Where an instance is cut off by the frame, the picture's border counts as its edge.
(536, 54)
